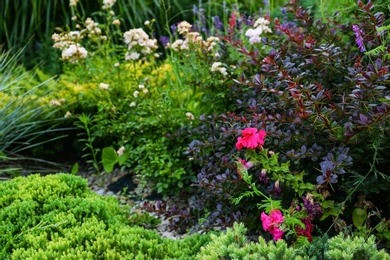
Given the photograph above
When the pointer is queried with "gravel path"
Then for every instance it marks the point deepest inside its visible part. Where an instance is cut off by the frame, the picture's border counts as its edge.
(128, 189)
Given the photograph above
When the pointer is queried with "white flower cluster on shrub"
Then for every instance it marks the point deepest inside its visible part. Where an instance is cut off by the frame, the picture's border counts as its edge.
(67, 43)
(260, 27)
(192, 39)
(138, 41)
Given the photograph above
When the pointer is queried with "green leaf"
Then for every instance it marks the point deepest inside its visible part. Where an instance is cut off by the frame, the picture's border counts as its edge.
(359, 216)
(75, 169)
(3, 156)
(123, 158)
(109, 158)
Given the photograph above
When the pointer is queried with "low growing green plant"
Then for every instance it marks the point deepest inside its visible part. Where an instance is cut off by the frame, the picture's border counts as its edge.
(347, 247)
(234, 245)
(58, 217)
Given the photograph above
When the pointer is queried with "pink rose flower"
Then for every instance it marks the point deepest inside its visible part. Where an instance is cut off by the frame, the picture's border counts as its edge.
(272, 223)
(277, 233)
(251, 138)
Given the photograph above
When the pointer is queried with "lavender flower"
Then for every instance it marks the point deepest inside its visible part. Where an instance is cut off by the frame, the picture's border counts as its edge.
(359, 37)
(164, 40)
(284, 11)
(217, 23)
(173, 28)
(195, 9)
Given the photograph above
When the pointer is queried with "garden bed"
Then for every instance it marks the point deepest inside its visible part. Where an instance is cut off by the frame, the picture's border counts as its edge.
(243, 133)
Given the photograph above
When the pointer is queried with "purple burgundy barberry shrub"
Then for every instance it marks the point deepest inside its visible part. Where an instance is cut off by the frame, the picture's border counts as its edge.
(324, 106)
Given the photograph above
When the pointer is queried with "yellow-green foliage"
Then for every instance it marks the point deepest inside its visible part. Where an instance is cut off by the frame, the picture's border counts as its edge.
(78, 90)
(82, 93)
(4, 99)
(234, 245)
(58, 217)
(348, 248)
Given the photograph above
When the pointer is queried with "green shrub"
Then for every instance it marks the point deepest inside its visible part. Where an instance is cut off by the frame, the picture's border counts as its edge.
(58, 217)
(116, 77)
(234, 245)
(347, 247)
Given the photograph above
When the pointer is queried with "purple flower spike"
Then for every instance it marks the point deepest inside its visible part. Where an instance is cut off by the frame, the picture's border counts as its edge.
(173, 28)
(359, 37)
(217, 23)
(164, 40)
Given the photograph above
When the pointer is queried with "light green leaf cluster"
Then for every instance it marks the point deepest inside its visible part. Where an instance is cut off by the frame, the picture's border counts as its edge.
(58, 217)
(345, 248)
(234, 245)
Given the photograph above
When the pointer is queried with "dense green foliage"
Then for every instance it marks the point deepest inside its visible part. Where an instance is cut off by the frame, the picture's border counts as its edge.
(234, 245)
(58, 217)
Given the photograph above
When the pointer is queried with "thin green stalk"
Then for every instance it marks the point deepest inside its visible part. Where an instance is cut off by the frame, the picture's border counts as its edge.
(84, 123)
(375, 159)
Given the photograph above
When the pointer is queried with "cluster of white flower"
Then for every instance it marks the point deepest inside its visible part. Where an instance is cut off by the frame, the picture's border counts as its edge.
(176, 45)
(260, 27)
(136, 93)
(68, 114)
(210, 43)
(67, 43)
(116, 22)
(58, 102)
(184, 27)
(73, 53)
(190, 116)
(217, 66)
(63, 40)
(138, 41)
(121, 150)
(107, 4)
(73, 3)
(104, 86)
(92, 28)
(192, 39)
